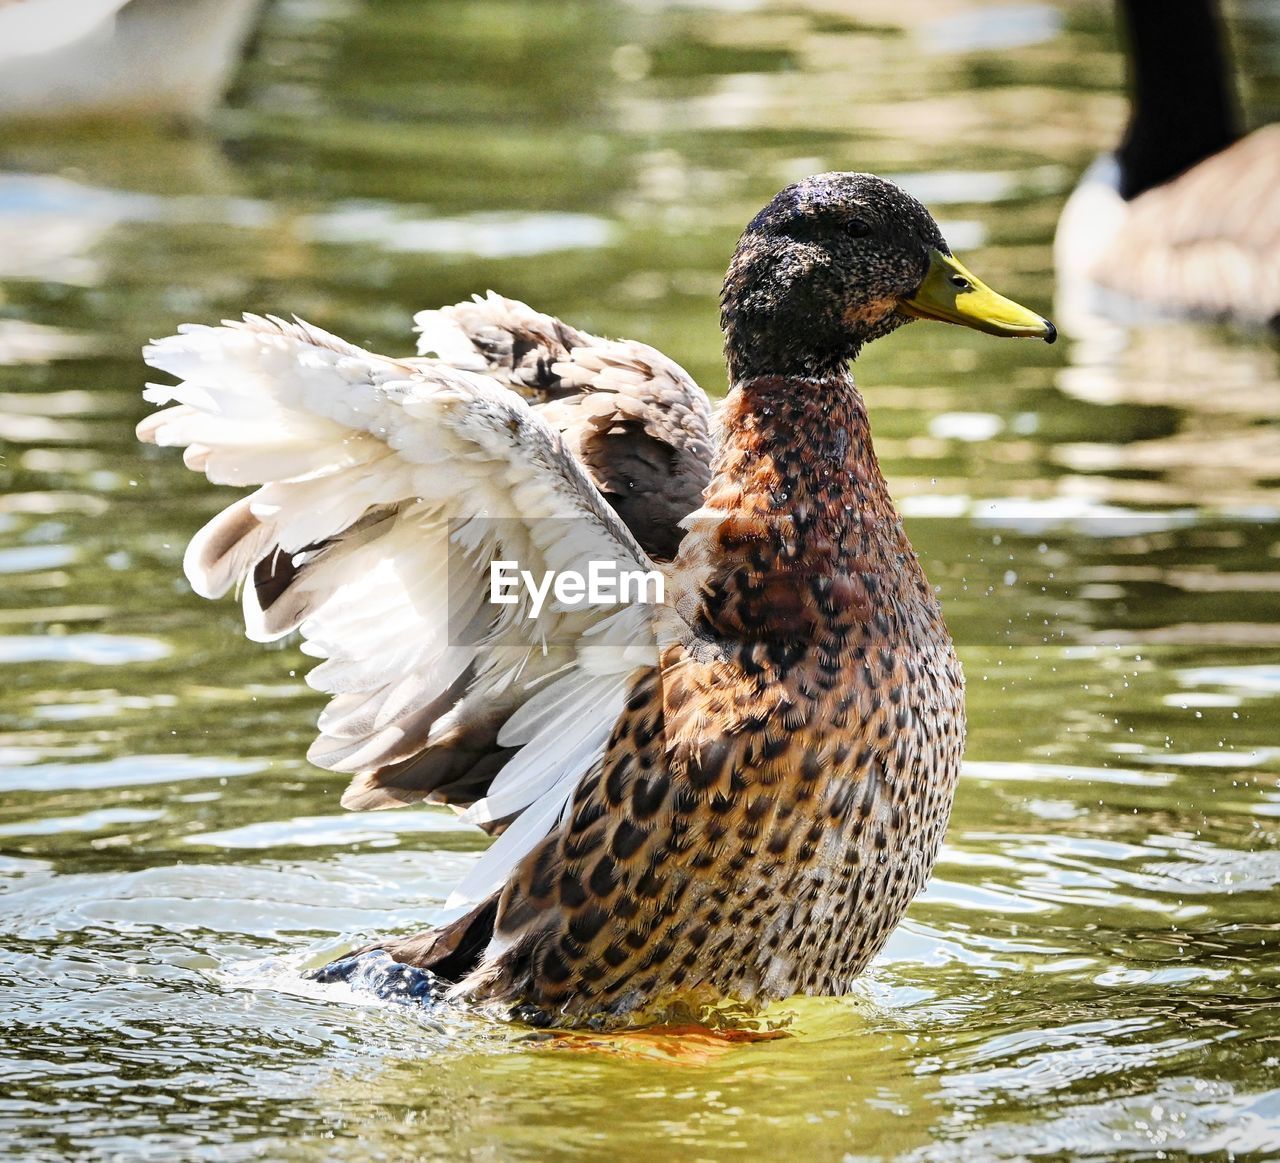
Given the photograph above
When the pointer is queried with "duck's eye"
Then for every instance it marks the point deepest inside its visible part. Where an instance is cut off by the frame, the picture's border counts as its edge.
(857, 228)
(961, 282)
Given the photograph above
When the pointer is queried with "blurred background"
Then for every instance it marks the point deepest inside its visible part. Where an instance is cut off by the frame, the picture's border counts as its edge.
(1093, 971)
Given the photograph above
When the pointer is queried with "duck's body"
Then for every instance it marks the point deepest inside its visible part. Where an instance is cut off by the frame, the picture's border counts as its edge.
(775, 791)
(733, 794)
(1183, 219)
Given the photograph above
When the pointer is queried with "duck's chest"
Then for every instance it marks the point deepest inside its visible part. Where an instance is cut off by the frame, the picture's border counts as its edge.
(811, 626)
(822, 683)
(813, 714)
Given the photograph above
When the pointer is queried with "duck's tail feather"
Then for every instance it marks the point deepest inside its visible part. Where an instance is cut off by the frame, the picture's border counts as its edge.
(450, 952)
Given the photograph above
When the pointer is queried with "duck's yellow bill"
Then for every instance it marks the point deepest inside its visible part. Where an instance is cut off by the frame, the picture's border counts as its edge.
(951, 294)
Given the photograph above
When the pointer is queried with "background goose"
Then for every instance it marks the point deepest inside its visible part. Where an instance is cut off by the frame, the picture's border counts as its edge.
(1184, 218)
(730, 795)
(66, 57)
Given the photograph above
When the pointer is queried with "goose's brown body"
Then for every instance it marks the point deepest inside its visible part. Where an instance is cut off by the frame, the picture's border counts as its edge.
(775, 794)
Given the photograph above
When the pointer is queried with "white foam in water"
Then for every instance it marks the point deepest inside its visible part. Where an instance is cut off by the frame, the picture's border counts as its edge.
(286, 973)
(375, 981)
(488, 235)
(1035, 516)
(1053, 772)
(1249, 681)
(1079, 515)
(30, 558)
(125, 771)
(95, 821)
(967, 426)
(1253, 757)
(994, 27)
(333, 831)
(93, 649)
(952, 187)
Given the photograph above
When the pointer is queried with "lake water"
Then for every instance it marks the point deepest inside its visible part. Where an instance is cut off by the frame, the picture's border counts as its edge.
(1094, 971)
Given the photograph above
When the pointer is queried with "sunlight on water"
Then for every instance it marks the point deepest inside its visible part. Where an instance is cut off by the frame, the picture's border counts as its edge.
(1092, 972)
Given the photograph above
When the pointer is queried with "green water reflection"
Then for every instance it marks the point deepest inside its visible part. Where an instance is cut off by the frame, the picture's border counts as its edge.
(1093, 971)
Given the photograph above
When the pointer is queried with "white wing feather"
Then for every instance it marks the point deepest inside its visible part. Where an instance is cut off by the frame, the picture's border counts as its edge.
(384, 491)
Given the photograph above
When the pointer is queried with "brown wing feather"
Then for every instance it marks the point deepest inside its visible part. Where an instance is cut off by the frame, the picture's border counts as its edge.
(633, 417)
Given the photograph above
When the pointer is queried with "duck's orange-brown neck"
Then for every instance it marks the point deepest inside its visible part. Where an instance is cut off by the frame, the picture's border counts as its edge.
(802, 533)
(788, 442)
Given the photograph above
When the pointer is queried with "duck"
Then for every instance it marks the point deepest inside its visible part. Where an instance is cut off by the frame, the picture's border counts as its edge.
(723, 795)
(1182, 219)
(97, 57)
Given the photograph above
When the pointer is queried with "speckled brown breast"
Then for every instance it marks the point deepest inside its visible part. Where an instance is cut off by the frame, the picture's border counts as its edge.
(775, 794)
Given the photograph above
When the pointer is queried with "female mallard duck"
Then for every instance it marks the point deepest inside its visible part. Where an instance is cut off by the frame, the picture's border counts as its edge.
(730, 794)
(1183, 219)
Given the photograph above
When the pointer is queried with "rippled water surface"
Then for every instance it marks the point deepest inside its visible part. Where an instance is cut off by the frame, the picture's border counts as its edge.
(1094, 970)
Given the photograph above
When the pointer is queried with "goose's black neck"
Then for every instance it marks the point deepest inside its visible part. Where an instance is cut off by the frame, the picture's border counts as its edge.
(1183, 107)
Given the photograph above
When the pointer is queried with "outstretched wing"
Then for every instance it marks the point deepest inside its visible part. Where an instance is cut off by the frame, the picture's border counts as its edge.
(633, 417)
(385, 491)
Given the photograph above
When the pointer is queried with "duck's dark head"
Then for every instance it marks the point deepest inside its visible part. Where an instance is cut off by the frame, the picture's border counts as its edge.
(840, 259)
